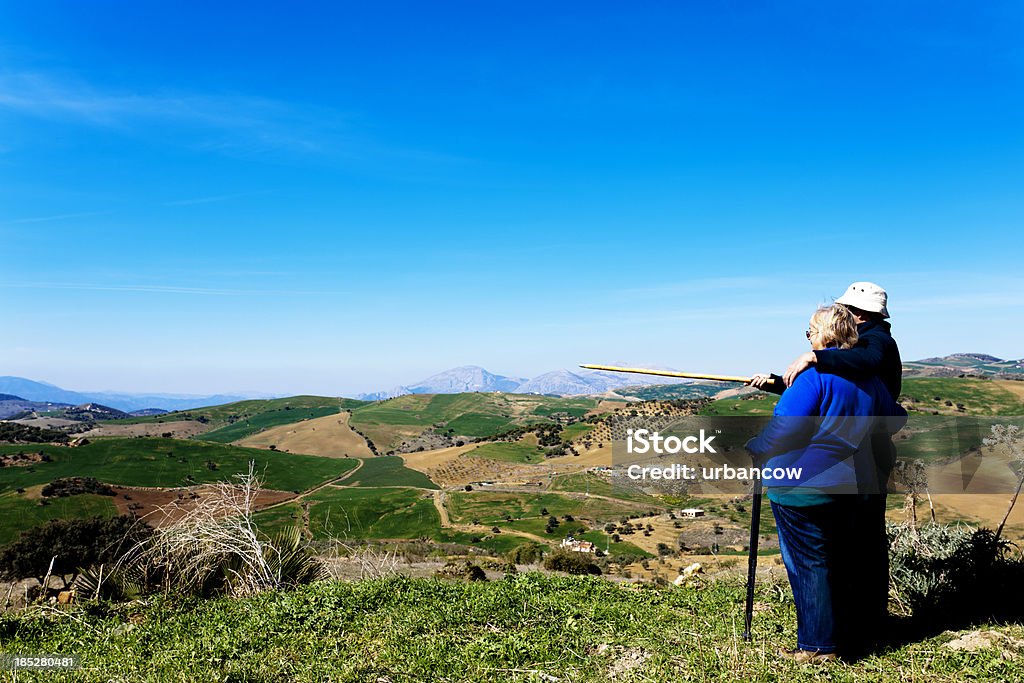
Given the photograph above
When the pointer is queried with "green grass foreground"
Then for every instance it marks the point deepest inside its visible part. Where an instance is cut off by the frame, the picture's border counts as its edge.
(526, 627)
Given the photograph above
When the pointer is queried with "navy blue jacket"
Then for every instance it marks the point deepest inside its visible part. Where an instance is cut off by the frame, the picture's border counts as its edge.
(875, 354)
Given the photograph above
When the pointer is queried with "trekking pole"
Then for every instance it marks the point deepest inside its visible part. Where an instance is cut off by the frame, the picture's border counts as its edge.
(673, 373)
(755, 529)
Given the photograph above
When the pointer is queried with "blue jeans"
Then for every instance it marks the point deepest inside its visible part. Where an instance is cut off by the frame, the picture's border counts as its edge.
(817, 547)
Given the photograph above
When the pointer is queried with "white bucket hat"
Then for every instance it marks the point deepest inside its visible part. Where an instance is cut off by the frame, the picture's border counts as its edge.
(867, 296)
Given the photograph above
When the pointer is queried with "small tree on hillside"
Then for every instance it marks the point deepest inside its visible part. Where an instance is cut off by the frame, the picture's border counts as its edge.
(1009, 436)
(71, 545)
(912, 474)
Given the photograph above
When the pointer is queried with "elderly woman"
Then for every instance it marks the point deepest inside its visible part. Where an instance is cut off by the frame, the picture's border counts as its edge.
(823, 425)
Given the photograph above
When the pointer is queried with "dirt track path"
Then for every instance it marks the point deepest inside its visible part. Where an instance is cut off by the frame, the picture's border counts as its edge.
(301, 496)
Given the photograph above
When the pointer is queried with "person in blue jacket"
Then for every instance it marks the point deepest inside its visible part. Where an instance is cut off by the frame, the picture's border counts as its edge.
(875, 354)
(825, 425)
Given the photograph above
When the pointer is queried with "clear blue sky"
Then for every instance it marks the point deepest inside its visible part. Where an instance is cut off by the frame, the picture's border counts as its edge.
(203, 197)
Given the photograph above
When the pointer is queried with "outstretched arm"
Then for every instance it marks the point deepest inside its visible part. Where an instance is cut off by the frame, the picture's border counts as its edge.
(863, 360)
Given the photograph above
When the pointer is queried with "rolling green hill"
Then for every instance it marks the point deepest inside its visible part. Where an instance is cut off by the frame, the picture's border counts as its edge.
(168, 463)
(230, 413)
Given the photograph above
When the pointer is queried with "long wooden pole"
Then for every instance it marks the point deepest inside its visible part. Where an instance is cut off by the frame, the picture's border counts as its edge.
(671, 373)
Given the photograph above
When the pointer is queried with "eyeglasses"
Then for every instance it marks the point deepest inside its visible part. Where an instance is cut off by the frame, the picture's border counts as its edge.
(807, 334)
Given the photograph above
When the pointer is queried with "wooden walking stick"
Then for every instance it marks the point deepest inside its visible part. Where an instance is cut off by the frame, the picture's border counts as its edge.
(755, 508)
(755, 530)
(673, 373)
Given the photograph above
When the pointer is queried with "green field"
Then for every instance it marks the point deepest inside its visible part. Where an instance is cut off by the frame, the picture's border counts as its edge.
(388, 470)
(379, 514)
(491, 507)
(575, 431)
(584, 482)
(18, 512)
(979, 396)
(478, 424)
(577, 407)
(509, 452)
(158, 462)
(357, 513)
(279, 518)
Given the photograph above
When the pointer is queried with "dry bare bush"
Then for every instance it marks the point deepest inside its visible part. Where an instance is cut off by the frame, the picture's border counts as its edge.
(215, 546)
(369, 562)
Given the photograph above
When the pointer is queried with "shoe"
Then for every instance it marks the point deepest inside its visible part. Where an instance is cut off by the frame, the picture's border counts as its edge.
(808, 656)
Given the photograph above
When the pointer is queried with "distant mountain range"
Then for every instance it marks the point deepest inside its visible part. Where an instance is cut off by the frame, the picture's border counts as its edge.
(582, 382)
(466, 378)
(556, 382)
(44, 392)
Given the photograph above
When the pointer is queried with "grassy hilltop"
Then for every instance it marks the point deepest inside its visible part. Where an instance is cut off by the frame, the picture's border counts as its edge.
(524, 627)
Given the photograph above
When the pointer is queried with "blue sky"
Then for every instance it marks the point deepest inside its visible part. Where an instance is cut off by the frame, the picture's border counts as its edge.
(201, 197)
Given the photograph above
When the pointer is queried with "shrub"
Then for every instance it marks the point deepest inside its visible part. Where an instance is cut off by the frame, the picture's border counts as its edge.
(467, 571)
(527, 553)
(76, 544)
(951, 572)
(571, 563)
(73, 486)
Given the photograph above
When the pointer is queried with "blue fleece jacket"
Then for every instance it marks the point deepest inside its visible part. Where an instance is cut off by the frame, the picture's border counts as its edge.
(823, 424)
